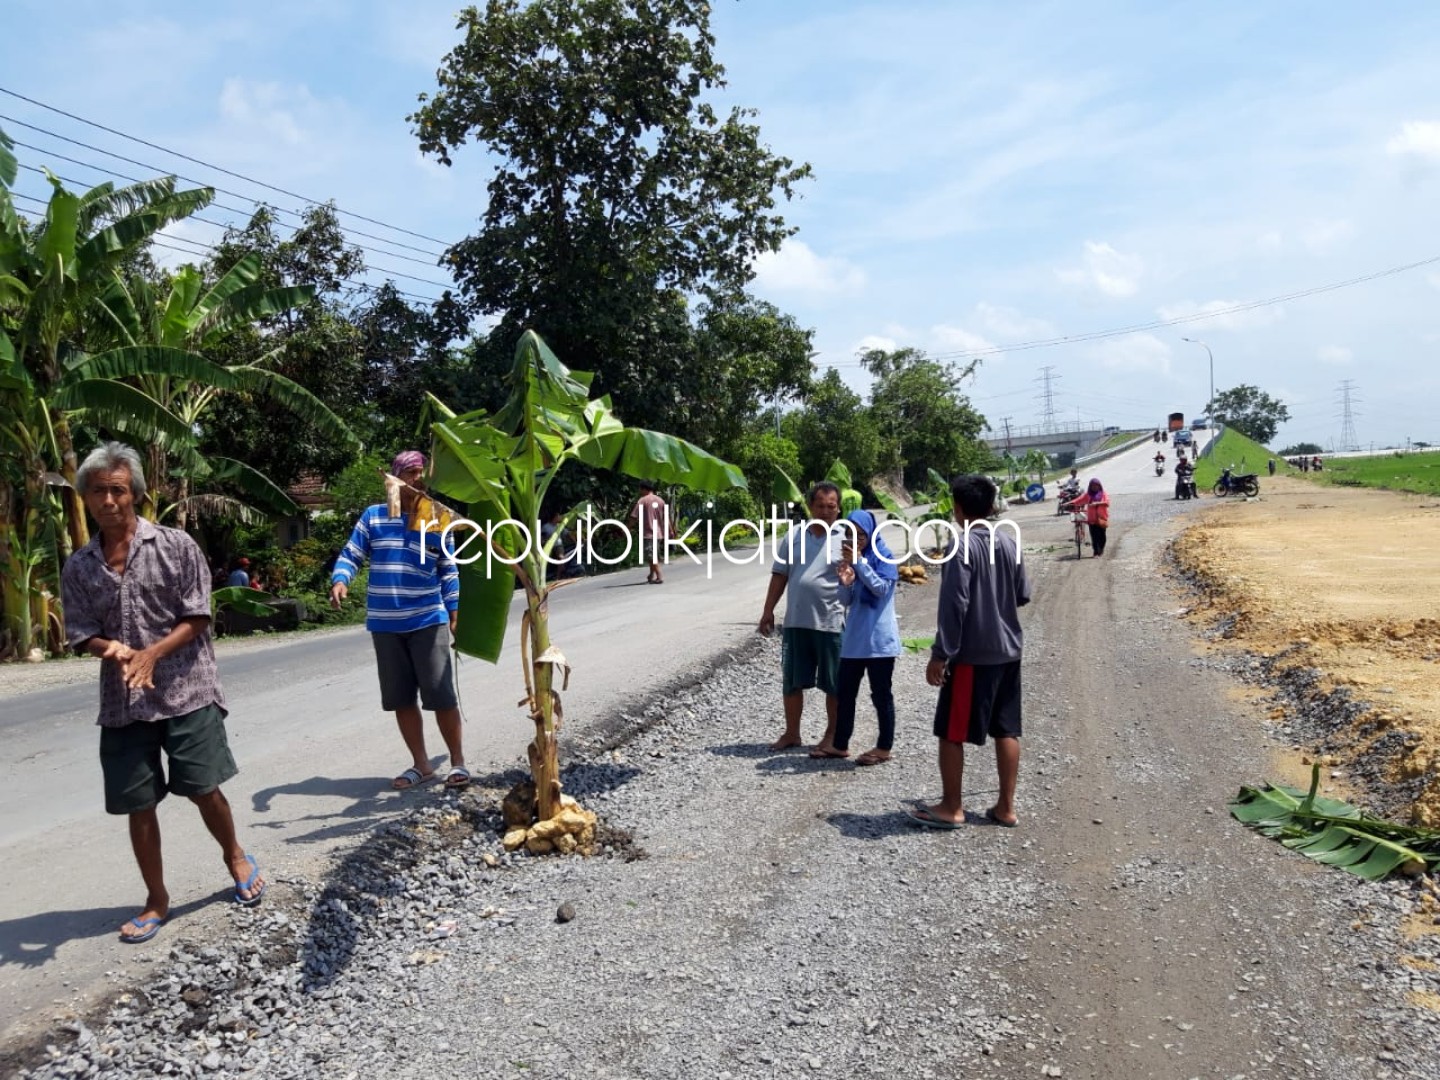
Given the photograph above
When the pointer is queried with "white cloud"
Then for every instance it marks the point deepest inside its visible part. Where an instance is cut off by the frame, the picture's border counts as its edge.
(874, 341)
(1133, 352)
(795, 268)
(958, 339)
(290, 114)
(1106, 270)
(989, 323)
(1009, 323)
(1334, 355)
(1323, 236)
(1231, 320)
(1419, 137)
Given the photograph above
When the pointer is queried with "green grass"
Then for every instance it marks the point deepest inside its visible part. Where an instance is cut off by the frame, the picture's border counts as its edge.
(1115, 440)
(1232, 449)
(1417, 472)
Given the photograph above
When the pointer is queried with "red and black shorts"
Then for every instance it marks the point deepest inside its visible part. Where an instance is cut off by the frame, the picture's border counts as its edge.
(979, 700)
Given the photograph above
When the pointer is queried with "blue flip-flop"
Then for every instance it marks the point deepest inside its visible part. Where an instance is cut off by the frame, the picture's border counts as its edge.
(922, 816)
(249, 883)
(140, 924)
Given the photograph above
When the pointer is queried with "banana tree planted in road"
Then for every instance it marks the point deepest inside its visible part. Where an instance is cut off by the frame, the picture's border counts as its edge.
(501, 467)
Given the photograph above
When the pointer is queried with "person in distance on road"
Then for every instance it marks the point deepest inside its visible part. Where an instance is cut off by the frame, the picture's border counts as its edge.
(1097, 513)
(807, 562)
(411, 604)
(871, 640)
(138, 597)
(975, 660)
(651, 518)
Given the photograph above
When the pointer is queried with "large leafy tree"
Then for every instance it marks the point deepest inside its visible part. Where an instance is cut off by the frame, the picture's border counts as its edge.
(747, 355)
(923, 415)
(407, 351)
(317, 346)
(834, 424)
(1250, 411)
(619, 194)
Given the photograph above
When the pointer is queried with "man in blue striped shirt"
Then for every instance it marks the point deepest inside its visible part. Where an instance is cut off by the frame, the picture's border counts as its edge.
(410, 610)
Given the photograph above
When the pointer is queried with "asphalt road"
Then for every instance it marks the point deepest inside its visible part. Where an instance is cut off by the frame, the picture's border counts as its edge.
(316, 755)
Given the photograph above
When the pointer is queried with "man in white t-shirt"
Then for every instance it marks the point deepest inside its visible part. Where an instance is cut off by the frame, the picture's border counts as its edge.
(806, 564)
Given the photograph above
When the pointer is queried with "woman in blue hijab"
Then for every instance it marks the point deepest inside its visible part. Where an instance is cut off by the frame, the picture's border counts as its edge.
(871, 642)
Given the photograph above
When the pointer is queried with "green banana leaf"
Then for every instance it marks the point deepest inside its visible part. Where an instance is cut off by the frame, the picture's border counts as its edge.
(1334, 832)
(485, 592)
(133, 361)
(124, 408)
(887, 503)
(257, 487)
(839, 475)
(917, 644)
(244, 600)
(785, 490)
(8, 165)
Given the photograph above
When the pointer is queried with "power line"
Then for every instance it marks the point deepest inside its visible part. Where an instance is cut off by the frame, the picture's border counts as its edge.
(225, 225)
(188, 179)
(217, 168)
(195, 247)
(49, 153)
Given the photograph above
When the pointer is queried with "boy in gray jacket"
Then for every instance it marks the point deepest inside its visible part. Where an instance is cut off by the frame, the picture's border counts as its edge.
(976, 657)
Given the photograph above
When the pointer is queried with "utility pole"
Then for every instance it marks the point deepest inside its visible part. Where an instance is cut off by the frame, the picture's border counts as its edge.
(1047, 397)
(1348, 414)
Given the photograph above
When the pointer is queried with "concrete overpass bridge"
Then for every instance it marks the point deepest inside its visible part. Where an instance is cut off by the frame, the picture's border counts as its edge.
(1072, 438)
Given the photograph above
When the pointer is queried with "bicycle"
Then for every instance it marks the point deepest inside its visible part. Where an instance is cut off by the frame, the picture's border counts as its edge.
(1078, 517)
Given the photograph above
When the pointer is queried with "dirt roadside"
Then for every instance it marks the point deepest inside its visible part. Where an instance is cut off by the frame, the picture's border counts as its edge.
(1339, 589)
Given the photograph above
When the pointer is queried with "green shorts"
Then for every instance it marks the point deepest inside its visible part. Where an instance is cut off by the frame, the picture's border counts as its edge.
(808, 659)
(196, 751)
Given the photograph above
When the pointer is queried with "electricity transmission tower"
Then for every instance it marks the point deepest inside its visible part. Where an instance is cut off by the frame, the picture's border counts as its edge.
(1047, 397)
(1348, 441)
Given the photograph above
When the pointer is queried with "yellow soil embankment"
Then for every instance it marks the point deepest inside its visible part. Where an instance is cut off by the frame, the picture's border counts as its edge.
(1352, 577)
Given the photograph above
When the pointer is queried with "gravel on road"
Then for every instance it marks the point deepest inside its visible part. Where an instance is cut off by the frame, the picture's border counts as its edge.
(759, 914)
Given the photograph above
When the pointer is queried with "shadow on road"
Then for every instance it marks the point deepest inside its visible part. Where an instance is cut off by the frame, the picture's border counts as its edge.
(31, 940)
(754, 751)
(371, 797)
(880, 826)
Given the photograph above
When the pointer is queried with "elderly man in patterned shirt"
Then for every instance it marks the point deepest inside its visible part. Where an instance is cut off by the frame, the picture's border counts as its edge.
(138, 597)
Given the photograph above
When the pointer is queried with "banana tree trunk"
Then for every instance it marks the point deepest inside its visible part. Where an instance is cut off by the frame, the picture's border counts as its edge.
(77, 530)
(543, 751)
(155, 488)
(14, 590)
(182, 493)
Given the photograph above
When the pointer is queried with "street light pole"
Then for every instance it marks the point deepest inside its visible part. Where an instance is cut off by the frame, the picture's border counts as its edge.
(1210, 408)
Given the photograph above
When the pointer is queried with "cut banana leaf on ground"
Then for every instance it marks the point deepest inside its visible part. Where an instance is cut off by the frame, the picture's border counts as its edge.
(1335, 833)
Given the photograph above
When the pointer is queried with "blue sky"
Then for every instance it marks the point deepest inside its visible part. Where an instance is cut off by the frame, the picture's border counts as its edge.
(986, 174)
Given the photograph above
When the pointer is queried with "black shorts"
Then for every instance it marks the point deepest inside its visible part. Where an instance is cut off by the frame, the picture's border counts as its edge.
(979, 700)
(196, 751)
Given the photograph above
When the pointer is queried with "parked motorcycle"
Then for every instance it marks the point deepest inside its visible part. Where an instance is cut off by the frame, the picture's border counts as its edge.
(1247, 484)
(1064, 494)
